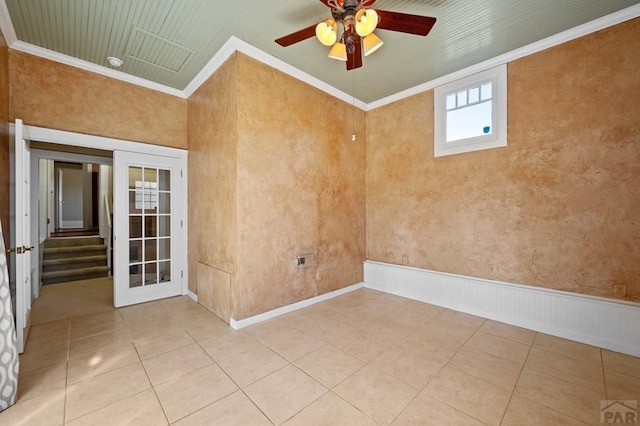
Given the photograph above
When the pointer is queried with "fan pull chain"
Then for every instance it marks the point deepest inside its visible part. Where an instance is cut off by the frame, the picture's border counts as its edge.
(353, 106)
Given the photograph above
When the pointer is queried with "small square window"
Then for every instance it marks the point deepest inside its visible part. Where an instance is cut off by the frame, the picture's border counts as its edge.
(471, 113)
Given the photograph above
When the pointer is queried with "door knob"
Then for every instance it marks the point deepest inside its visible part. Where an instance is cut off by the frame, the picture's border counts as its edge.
(25, 248)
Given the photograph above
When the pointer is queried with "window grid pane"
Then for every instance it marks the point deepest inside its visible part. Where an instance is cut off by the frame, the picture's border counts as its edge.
(469, 97)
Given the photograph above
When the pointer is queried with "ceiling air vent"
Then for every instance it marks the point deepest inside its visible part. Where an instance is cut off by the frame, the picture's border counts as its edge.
(158, 51)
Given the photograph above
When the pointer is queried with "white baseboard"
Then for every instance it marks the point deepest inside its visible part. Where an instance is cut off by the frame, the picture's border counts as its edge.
(191, 295)
(236, 325)
(606, 323)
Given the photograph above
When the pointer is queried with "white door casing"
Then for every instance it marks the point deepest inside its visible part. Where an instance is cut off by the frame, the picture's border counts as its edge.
(61, 137)
(20, 245)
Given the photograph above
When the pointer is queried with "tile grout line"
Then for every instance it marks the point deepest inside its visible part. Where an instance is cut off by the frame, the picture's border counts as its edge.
(164, 412)
(515, 385)
(107, 372)
(549, 375)
(351, 405)
(66, 375)
(446, 362)
(604, 376)
(290, 363)
(240, 388)
(257, 406)
(567, 380)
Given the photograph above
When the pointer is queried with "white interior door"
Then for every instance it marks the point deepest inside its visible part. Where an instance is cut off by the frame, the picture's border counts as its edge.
(147, 222)
(20, 246)
(70, 195)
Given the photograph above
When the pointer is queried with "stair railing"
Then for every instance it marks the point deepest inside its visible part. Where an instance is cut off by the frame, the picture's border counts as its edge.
(109, 231)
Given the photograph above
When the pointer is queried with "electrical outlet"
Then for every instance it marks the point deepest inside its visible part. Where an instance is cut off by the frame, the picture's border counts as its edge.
(620, 290)
(305, 259)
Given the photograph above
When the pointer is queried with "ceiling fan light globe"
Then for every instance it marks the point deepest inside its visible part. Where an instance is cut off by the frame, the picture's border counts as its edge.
(366, 21)
(326, 32)
(371, 43)
(339, 52)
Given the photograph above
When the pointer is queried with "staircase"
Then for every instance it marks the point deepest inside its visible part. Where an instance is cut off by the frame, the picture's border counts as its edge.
(73, 258)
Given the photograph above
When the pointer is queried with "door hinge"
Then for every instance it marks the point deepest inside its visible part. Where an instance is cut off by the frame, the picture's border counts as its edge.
(181, 224)
(48, 221)
(180, 173)
(181, 274)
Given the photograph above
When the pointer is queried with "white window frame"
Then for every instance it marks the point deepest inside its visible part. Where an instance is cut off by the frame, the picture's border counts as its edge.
(498, 137)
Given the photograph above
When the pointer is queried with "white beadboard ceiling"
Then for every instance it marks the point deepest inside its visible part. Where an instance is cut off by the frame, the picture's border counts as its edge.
(170, 41)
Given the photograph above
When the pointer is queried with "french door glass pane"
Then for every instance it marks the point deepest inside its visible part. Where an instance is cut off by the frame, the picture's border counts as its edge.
(164, 183)
(135, 202)
(164, 245)
(164, 226)
(150, 228)
(135, 251)
(165, 203)
(150, 273)
(135, 175)
(135, 226)
(165, 271)
(150, 222)
(135, 275)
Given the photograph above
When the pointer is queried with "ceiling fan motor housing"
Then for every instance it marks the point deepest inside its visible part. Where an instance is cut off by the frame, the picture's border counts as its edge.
(347, 13)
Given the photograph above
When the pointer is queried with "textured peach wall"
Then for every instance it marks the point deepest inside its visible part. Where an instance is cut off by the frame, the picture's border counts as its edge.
(301, 188)
(212, 185)
(49, 94)
(559, 207)
(4, 137)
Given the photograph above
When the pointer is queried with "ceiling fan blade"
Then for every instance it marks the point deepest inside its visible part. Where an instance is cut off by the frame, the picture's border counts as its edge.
(354, 60)
(299, 35)
(405, 23)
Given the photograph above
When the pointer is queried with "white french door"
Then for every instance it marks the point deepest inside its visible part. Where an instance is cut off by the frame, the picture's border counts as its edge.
(148, 248)
(20, 245)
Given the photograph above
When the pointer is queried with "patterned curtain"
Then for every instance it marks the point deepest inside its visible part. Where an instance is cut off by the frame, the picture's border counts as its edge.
(8, 346)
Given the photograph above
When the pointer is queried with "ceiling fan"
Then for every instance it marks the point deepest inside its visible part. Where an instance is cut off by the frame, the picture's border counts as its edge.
(358, 22)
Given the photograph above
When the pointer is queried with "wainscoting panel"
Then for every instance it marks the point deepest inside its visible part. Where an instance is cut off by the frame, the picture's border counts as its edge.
(607, 323)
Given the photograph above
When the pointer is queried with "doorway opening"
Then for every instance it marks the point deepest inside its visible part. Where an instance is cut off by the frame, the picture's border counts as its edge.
(71, 211)
(71, 219)
(149, 195)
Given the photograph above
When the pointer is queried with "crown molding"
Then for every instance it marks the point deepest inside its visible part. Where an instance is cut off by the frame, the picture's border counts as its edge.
(6, 26)
(234, 44)
(221, 56)
(272, 61)
(91, 67)
(538, 46)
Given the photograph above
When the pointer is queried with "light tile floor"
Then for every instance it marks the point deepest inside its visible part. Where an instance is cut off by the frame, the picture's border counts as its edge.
(364, 358)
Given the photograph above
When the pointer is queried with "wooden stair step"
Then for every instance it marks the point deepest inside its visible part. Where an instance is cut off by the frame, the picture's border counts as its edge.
(72, 249)
(75, 271)
(73, 262)
(83, 259)
(72, 241)
(67, 275)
